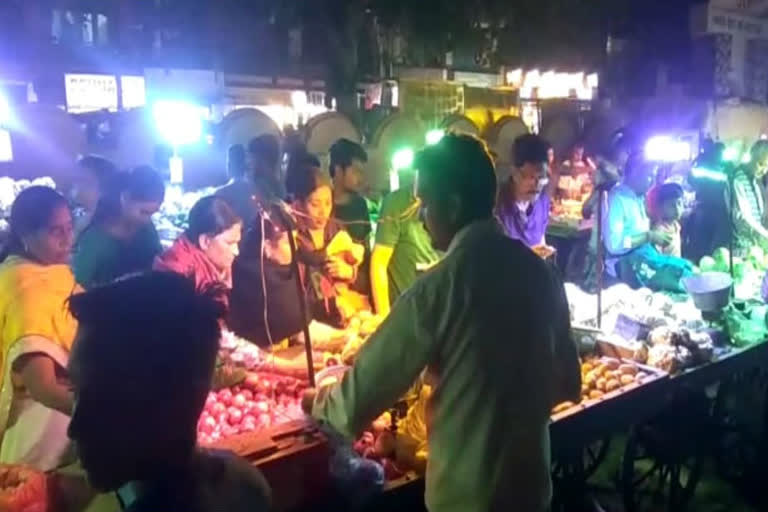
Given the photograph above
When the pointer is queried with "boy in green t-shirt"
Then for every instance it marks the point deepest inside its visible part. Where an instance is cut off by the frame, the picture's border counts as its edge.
(402, 248)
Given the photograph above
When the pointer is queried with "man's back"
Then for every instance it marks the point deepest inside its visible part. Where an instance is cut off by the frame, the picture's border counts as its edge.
(239, 196)
(489, 305)
(213, 482)
(490, 323)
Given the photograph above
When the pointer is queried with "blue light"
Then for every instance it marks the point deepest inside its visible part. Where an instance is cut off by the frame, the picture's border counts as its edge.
(178, 122)
(5, 110)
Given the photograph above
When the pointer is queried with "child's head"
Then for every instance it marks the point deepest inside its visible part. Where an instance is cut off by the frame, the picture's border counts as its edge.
(670, 202)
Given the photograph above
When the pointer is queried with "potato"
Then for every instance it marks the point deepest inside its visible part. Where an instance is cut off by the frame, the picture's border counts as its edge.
(584, 389)
(590, 378)
(586, 366)
(628, 369)
(610, 363)
(600, 369)
(595, 394)
(562, 407)
(612, 385)
(627, 379)
(600, 383)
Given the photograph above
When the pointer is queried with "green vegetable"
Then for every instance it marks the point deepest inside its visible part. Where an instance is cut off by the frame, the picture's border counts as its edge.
(707, 264)
(739, 268)
(721, 255)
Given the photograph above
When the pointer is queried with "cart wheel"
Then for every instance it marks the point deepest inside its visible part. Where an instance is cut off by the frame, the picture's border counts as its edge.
(570, 473)
(594, 455)
(736, 445)
(591, 457)
(655, 474)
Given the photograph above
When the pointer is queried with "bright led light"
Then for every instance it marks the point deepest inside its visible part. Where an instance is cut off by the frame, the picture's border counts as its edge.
(746, 158)
(178, 122)
(731, 154)
(708, 174)
(434, 136)
(662, 148)
(299, 100)
(402, 159)
(5, 111)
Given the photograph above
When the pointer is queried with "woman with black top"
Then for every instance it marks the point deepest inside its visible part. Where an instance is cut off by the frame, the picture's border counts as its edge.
(265, 305)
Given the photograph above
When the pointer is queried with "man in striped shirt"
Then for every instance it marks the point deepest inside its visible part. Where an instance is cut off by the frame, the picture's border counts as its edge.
(749, 205)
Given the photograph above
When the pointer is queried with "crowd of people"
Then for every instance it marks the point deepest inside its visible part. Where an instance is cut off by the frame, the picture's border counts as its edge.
(110, 341)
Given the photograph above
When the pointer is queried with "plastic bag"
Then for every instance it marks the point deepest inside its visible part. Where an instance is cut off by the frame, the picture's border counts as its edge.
(356, 478)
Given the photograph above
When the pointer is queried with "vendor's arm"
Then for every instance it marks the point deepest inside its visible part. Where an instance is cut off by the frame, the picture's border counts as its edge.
(380, 258)
(294, 367)
(387, 365)
(387, 238)
(38, 375)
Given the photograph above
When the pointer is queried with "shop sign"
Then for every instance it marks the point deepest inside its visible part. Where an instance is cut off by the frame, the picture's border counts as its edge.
(89, 93)
(720, 21)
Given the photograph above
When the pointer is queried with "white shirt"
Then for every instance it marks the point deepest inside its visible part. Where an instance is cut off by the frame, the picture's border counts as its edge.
(491, 326)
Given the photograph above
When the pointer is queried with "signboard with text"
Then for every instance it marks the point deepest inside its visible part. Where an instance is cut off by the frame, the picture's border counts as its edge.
(89, 93)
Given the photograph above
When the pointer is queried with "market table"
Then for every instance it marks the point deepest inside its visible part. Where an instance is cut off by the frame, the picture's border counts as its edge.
(301, 455)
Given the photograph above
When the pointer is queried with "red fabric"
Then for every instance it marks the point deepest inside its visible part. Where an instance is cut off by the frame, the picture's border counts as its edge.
(652, 204)
(185, 258)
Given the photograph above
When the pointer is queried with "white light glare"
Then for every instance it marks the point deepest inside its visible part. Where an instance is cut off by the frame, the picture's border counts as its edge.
(178, 122)
(5, 110)
(662, 148)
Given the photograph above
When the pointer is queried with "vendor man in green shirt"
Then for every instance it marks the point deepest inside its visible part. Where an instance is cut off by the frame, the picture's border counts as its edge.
(490, 322)
(402, 245)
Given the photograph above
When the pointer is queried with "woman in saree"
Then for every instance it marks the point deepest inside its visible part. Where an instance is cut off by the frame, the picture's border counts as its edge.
(36, 331)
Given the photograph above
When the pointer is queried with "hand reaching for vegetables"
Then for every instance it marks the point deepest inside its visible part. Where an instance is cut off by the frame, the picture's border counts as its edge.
(341, 270)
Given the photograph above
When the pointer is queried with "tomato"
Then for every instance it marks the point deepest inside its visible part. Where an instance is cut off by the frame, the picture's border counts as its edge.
(210, 400)
(265, 386)
(225, 396)
(208, 424)
(239, 401)
(218, 408)
(222, 419)
(265, 420)
(262, 407)
(252, 382)
(247, 393)
(235, 415)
